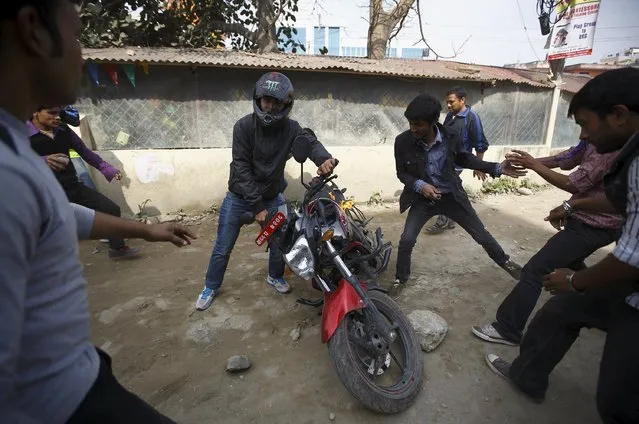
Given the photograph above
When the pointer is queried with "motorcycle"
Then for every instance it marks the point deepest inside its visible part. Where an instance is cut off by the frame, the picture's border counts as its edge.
(371, 342)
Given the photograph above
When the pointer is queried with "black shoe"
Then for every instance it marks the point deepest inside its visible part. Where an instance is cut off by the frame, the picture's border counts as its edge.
(512, 268)
(501, 367)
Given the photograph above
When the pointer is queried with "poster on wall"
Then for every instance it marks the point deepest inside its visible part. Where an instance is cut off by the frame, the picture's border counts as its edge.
(574, 34)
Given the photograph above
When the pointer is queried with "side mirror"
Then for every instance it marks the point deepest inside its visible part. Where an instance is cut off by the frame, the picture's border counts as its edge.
(301, 149)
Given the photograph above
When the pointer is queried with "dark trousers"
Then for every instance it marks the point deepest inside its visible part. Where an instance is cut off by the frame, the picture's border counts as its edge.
(556, 326)
(443, 220)
(566, 249)
(107, 402)
(464, 215)
(83, 195)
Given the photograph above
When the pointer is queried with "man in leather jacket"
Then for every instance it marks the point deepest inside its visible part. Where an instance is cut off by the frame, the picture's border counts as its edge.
(425, 159)
(262, 143)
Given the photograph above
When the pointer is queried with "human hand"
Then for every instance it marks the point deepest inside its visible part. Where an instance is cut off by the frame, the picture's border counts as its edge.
(511, 170)
(480, 175)
(557, 217)
(558, 281)
(431, 192)
(260, 217)
(58, 161)
(118, 177)
(522, 159)
(174, 233)
(327, 167)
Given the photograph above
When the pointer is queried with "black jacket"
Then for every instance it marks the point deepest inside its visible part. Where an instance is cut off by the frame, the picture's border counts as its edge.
(61, 143)
(260, 154)
(410, 163)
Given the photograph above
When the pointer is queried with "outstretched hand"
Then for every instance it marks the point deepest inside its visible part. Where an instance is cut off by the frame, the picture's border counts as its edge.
(507, 168)
(522, 159)
(174, 233)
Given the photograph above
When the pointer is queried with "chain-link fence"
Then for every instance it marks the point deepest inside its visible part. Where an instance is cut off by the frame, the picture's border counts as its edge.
(175, 107)
(566, 130)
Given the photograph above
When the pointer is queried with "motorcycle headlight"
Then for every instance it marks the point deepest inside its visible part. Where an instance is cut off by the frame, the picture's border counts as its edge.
(300, 259)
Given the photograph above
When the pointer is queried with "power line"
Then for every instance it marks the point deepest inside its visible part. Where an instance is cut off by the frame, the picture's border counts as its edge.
(521, 16)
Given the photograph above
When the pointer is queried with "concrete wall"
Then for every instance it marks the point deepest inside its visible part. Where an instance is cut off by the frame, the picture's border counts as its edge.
(196, 179)
(171, 133)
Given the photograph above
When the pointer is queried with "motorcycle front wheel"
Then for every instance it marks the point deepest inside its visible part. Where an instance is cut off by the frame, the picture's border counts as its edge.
(391, 385)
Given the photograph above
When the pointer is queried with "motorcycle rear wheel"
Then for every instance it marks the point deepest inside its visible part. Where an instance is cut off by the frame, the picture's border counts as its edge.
(355, 371)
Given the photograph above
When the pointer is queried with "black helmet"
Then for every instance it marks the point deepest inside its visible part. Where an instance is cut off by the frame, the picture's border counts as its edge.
(278, 86)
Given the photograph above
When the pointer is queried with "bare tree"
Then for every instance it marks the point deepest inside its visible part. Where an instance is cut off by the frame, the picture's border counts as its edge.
(383, 26)
(382, 23)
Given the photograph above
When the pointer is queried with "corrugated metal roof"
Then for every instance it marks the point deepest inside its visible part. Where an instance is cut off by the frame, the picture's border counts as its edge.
(570, 82)
(573, 83)
(237, 59)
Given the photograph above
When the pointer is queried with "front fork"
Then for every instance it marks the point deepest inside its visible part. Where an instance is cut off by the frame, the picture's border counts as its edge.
(349, 296)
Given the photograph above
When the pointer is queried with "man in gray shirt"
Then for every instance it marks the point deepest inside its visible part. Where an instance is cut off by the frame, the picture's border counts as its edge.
(49, 370)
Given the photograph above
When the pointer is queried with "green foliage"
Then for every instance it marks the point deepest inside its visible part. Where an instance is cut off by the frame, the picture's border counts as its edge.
(505, 185)
(185, 23)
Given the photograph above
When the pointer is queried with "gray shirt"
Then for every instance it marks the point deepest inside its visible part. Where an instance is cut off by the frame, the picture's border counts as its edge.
(47, 364)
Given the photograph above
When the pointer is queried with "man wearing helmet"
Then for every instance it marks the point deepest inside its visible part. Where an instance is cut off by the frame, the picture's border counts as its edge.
(262, 143)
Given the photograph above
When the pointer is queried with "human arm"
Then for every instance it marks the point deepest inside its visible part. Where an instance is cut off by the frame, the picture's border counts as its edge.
(597, 204)
(620, 266)
(242, 168)
(564, 182)
(19, 226)
(93, 158)
(402, 165)
(97, 225)
(494, 169)
(566, 160)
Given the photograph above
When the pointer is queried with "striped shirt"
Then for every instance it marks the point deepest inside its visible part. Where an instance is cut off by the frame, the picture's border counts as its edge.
(627, 250)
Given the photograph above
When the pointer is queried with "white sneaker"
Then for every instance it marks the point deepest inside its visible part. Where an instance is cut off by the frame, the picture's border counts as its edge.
(490, 334)
(205, 299)
(279, 284)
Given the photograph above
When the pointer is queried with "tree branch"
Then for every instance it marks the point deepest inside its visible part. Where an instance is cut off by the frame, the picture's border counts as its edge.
(423, 39)
(400, 26)
(400, 11)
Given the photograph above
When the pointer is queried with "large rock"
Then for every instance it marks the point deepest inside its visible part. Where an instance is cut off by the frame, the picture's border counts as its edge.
(430, 328)
(238, 363)
(525, 191)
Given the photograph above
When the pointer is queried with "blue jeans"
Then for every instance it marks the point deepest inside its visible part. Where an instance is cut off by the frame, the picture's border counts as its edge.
(233, 207)
(83, 173)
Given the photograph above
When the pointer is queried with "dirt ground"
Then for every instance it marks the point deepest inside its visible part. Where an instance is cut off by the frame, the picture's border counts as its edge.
(175, 357)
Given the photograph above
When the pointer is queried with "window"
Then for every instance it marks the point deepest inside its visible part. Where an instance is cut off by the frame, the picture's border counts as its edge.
(319, 39)
(412, 53)
(299, 38)
(354, 51)
(333, 41)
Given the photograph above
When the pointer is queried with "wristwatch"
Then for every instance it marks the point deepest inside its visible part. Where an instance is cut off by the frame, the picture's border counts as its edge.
(567, 208)
(570, 277)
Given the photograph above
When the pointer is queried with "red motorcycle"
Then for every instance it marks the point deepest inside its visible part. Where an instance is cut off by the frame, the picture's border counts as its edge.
(372, 344)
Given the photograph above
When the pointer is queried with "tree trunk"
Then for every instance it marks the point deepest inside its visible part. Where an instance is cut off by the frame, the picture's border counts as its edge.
(266, 34)
(382, 23)
(378, 41)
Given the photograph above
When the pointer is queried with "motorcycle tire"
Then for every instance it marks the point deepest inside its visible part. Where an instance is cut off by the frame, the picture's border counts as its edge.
(356, 378)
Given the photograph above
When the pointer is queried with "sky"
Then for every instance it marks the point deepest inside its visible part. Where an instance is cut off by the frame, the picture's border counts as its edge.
(495, 27)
